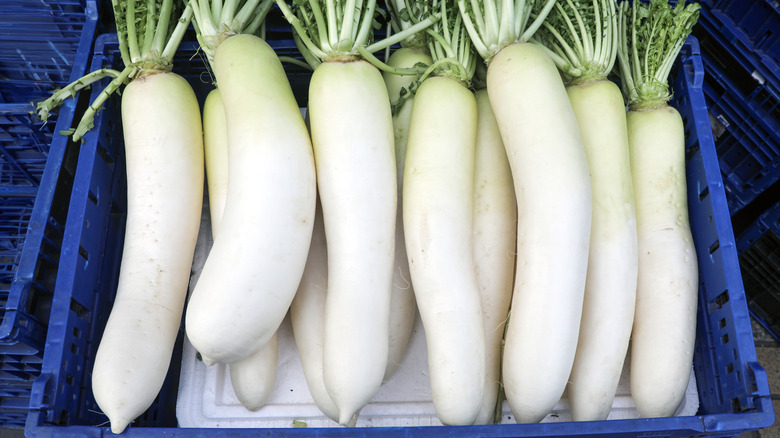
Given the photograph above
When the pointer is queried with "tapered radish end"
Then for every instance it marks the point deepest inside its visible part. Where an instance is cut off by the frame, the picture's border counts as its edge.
(348, 418)
(207, 361)
(461, 413)
(530, 417)
(252, 406)
(118, 425)
(253, 401)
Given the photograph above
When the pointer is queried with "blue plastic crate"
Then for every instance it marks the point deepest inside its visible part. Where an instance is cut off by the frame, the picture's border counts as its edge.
(28, 150)
(14, 218)
(32, 220)
(43, 45)
(24, 145)
(14, 404)
(759, 255)
(749, 113)
(40, 42)
(733, 389)
(750, 30)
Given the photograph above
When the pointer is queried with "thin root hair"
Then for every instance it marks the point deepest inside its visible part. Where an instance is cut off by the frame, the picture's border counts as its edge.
(408, 281)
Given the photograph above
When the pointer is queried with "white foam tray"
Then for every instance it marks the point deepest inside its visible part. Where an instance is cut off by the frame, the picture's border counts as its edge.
(206, 398)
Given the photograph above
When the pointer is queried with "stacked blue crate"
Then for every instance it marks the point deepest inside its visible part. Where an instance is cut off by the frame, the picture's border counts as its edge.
(43, 46)
(732, 387)
(741, 50)
(759, 247)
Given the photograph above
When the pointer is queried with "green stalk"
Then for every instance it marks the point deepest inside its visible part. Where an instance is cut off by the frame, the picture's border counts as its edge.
(344, 31)
(151, 19)
(215, 20)
(397, 38)
(248, 13)
(296, 62)
(174, 40)
(147, 45)
(259, 18)
(132, 36)
(162, 27)
(650, 38)
(324, 34)
(348, 20)
(309, 57)
(332, 26)
(45, 107)
(449, 45)
(494, 25)
(202, 19)
(405, 14)
(581, 38)
(86, 122)
(216, 8)
(121, 30)
(228, 12)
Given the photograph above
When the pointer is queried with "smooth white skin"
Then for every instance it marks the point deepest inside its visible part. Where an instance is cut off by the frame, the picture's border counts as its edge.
(253, 269)
(216, 155)
(552, 185)
(352, 134)
(307, 314)
(253, 378)
(495, 236)
(164, 156)
(665, 322)
(610, 289)
(403, 308)
(438, 205)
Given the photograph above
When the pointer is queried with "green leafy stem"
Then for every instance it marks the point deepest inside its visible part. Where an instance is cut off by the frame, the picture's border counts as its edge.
(581, 37)
(651, 36)
(147, 43)
(343, 29)
(216, 20)
(403, 14)
(495, 24)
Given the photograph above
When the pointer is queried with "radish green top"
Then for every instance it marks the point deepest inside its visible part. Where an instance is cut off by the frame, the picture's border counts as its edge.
(446, 40)
(342, 30)
(147, 46)
(449, 44)
(650, 38)
(581, 37)
(217, 20)
(404, 14)
(495, 24)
